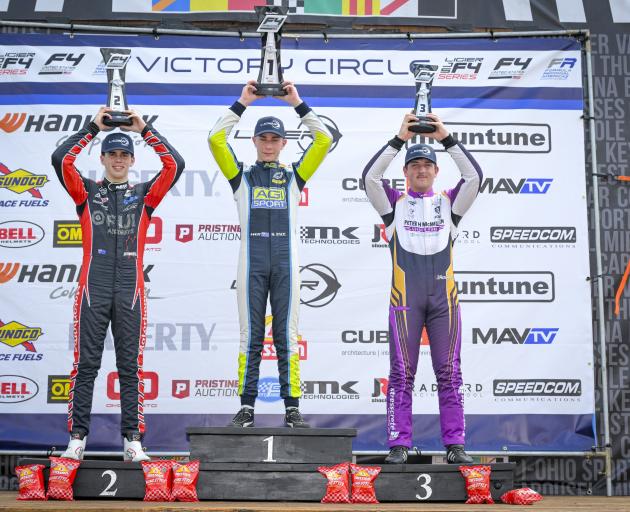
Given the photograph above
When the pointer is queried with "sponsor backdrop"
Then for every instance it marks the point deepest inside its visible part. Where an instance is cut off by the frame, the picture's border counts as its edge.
(521, 255)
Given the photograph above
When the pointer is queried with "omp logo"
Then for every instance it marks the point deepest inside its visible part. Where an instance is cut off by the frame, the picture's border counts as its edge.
(510, 186)
(67, 233)
(497, 137)
(21, 181)
(14, 333)
(268, 197)
(514, 336)
(8, 271)
(58, 389)
(11, 122)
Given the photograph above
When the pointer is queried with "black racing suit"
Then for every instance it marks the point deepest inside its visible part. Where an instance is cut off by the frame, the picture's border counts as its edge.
(114, 220)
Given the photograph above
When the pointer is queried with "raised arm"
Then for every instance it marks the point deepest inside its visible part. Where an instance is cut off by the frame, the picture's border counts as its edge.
(382, 197)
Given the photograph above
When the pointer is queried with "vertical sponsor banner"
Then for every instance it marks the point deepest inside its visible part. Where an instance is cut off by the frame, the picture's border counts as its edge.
(521, 252)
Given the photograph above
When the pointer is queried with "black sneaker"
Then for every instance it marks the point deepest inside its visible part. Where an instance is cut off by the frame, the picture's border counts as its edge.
(397, 455)
(294, 419)
(455, 454)
(244, 418)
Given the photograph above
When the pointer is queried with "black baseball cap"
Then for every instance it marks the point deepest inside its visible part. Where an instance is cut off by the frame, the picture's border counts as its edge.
(420, 151)
(269, 124)
(117, 141)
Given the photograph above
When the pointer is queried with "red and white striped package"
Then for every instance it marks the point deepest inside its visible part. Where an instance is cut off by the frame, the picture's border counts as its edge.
(31, 482)
(157, 480)
(523, 496)
(363, 483)
(338, 487)
(62, 474)
(477, 484)
(185, 478)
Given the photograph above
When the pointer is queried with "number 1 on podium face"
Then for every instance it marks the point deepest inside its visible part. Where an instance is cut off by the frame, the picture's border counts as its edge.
(269, 441)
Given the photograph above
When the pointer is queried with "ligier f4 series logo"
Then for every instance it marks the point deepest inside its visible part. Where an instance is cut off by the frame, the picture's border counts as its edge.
(21, 181)
(270, 198)
(14, 333)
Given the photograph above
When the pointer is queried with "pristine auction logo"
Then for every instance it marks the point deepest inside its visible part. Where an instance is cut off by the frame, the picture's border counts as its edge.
(504, 286)
(533, 235)
(514, 336)
(18, 234)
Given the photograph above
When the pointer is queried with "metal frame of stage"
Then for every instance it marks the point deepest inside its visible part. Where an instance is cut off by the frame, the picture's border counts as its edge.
(582, 35)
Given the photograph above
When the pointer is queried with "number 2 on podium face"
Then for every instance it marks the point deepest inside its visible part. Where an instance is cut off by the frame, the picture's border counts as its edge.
(425, 486)
(112, 481)
(269, 441)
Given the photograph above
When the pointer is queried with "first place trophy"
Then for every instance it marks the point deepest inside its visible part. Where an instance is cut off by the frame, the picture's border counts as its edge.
(424, 75)
(116, 60)
(270, 76)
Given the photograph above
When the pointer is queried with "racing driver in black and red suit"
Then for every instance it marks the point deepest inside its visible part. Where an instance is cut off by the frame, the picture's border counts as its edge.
(114, 219)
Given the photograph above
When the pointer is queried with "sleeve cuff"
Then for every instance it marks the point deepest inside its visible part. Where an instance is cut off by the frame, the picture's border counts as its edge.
(93, 128)
(448, 142)
(396, 142)
(238, 108)
(302, 109)
(145, 130)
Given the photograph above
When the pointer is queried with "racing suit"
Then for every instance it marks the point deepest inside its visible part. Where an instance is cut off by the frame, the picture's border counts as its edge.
(114, 219)
(267, 196)
(421, 228)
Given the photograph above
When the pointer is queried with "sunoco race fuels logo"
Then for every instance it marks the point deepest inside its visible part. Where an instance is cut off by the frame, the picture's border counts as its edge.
(13, 334)
(21, 181)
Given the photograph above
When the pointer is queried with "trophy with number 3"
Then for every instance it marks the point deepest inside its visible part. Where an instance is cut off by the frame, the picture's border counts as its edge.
(423, 74)
(116, 60)
(270, 76)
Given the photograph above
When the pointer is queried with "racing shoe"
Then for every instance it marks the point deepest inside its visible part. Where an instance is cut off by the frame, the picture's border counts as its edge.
(133, 450)
(455, 454)
(76, 447)
(293, 418)
(397, 455)
(244, 417)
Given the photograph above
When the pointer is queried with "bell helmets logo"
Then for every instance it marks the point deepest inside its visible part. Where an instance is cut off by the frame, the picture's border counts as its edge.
(16, 388)
(16, 234)
(269, 349)
(14, 334)
(21, 180)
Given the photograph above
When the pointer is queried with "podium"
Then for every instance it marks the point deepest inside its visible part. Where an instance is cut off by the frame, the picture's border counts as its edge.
(279, 464)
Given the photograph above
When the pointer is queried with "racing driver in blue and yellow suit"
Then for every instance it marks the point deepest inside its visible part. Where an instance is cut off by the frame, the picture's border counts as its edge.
(267, 194)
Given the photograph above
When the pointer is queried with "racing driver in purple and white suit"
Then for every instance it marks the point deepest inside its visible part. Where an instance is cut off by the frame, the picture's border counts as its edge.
(421, 226)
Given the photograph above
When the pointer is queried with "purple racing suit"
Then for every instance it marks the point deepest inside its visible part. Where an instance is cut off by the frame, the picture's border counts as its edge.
(421, 228)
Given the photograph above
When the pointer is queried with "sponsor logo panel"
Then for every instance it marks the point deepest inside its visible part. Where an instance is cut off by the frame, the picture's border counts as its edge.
(19, 233)
(17, 388)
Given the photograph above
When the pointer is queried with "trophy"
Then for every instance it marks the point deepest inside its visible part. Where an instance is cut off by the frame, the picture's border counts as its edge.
(423, 74)
(116, 60)
(270, 76)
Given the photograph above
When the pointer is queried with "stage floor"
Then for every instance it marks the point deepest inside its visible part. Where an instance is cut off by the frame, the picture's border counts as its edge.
(549, 504)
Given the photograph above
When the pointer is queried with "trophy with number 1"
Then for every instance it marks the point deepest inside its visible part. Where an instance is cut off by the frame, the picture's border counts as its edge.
(270, 76)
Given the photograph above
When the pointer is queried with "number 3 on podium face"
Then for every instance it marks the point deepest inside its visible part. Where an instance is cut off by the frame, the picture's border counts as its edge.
(112, 481)
(425, 480)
